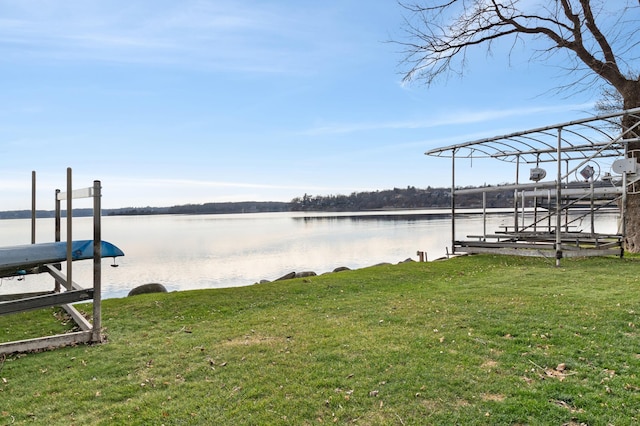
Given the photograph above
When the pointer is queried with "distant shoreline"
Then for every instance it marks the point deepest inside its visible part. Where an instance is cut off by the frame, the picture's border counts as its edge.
(409, 198)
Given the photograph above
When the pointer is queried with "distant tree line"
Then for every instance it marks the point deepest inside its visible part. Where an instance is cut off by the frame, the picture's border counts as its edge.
(396, 198)
(207, 208)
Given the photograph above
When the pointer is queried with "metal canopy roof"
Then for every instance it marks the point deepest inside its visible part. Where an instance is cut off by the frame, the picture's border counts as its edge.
(583, 139)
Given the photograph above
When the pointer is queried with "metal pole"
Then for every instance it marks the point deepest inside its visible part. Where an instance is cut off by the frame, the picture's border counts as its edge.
(622, 227)
(549, 213)
(593, 225)
(484, 216)
(515, 196)
(453, 201)
(97, 262)
(558, 197)
(566, 211)
(57, 220)
(515, 210)
(57, 235)
(523, 207)
(69, 229)
(33, 207)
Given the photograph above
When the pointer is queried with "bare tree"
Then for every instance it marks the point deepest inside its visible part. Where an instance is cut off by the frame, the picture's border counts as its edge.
(599, 41)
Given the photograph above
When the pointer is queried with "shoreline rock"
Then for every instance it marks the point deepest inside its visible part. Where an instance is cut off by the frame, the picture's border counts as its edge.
(147, 288)
(306, 274)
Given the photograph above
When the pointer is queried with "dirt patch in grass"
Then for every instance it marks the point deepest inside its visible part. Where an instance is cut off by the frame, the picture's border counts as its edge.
(489, 364)
(252, 340)
(493, 397)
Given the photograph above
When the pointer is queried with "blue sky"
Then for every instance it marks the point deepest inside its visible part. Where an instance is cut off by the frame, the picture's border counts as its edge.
(193, 101)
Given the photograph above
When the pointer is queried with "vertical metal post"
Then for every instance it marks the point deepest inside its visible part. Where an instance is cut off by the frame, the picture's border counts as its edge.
(524, 203)
(558, 198)
(69, 229)
(453, 201)
(593, 225)
(97, 262)
(57, 235)
(515, 210)
(566, 211)
(535, 210)
(57, 220)
(622, 227)
(515, 196)
(549, 212)
(33, 207)
(484, 216)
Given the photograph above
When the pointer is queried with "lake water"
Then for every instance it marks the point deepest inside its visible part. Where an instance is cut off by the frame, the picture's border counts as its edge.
(213, 251)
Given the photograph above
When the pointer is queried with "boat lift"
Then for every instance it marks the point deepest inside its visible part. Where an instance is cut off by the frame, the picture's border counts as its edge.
(545, 212)
(46, 258)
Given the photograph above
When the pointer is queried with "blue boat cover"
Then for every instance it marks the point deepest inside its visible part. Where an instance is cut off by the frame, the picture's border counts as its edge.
(24, 259)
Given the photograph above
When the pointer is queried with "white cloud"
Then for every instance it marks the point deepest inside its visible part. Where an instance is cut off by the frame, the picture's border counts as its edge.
(226, 36)
(450, 118)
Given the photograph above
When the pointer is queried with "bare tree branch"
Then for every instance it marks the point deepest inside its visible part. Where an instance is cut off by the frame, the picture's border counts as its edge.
(442, 31)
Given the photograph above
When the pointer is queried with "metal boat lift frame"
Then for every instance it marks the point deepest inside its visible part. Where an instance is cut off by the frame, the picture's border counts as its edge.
(89, 332)
(571, 148)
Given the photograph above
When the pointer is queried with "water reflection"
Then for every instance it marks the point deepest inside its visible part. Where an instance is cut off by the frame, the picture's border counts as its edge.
(208, 251)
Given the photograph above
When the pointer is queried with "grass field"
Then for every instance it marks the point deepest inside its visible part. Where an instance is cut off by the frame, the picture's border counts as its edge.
(471, 340)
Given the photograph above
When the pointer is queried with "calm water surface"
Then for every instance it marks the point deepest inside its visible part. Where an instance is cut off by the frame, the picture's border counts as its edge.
(212, 251)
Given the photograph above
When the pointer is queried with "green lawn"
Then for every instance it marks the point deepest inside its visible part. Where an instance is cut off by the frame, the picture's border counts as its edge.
(471, 340)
